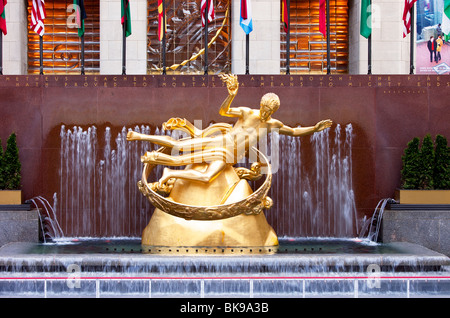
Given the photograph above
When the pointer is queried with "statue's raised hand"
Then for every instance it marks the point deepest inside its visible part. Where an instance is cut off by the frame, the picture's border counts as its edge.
(232, 83)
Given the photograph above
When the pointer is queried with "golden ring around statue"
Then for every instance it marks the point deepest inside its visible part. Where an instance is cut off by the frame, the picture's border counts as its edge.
(253, 204)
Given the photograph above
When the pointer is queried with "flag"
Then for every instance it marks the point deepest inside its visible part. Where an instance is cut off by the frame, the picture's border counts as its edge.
(365, 28)
(246, 16)
(80, 16)
(126, 17)
(445, 25)
(161, 20)
(284, 15)
(322, 18)
(3, 17)
(407, 16)
(38, 16)
(210, 11)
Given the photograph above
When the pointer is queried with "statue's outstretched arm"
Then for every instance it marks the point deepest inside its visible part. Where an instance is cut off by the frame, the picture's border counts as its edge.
(302, 131)
(232, 86)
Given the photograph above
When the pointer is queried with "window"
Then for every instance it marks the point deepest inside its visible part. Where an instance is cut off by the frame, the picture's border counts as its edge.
(185, 38)
(308, 47)
(61, 44)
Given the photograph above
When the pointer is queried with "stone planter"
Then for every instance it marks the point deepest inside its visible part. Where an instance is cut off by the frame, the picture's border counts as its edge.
(426, 227)
(422, 196)
(10, 197)
(19, 226)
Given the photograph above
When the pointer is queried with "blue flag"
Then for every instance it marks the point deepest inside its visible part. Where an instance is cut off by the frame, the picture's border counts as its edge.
(246, 16)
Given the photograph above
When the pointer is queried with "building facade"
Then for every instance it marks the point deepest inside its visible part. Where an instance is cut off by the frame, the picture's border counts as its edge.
(267, 50)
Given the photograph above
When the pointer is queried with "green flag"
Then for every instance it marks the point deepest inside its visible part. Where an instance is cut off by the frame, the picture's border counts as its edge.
(80, 16)
(366, 18)
(446, 20)
(126, 17)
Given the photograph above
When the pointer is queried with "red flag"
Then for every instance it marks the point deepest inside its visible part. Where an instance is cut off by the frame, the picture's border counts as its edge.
(244, 9)
(322, 17)
(210, 11)
(160, 20)
(407, 16)
(284, 15)
(3, 17)
(37, 17)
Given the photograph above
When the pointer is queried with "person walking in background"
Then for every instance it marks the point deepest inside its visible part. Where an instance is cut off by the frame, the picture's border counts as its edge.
(439, 43)
(439, 30)
(432, 46)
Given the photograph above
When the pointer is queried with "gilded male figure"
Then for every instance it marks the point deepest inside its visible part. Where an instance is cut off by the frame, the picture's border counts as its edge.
(226, 148)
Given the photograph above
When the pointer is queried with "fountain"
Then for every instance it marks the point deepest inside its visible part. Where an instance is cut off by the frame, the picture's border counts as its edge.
(318, 252)
(311, 212)
(299, 268)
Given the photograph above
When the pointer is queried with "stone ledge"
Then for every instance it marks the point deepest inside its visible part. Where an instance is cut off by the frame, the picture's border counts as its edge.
(15, 207)
(403, 256)
(19, 226)
(429, 228)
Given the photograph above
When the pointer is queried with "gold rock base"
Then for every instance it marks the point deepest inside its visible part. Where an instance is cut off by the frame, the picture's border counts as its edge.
(165, 230)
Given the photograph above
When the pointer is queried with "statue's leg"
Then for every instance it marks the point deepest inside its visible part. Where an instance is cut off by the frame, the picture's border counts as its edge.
(165, 141)
(218, 154)
(213, 170)
(190, 144)
(199, 144)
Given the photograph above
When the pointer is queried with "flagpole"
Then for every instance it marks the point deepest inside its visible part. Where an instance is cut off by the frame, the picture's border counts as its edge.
(328, 38)
(411, 48)
(369, 44)
(288, 38)
(164, 37)
(1, 52)
(82, 54)
(124, 46)
(206, 36)
(247, 54)
(369, 54)
(41, 55)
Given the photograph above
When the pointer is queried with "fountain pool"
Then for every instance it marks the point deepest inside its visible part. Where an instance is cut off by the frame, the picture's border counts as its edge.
(322, 205)
(297, 268)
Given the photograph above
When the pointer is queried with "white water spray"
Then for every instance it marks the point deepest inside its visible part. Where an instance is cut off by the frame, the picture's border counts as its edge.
(312, 190)
(313, 195)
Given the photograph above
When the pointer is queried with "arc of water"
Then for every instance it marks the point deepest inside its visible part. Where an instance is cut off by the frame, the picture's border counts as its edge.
(49, 215)
(373, 231)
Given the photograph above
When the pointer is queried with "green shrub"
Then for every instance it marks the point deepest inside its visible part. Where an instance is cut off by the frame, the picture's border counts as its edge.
(426, 156)
(411, 165)
(441, 173)
(428, 166)
(11, 165)
(2, 168)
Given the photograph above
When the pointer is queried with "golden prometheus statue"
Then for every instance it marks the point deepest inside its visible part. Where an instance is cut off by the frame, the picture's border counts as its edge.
(210, 203)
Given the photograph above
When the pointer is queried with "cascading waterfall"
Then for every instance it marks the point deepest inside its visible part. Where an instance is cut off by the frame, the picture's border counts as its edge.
(313, 189)
(312, 183)
(98, 187)
(371, 227)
